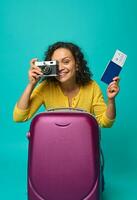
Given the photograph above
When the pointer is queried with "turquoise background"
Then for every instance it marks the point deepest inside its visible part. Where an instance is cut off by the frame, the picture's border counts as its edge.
(27, 27)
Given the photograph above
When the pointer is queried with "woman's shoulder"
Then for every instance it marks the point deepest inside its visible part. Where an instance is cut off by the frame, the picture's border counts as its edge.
(91, 89)
(92, 84)
(42, 86)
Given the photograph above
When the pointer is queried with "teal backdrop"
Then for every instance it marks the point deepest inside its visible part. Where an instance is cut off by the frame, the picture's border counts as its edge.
(27, 27)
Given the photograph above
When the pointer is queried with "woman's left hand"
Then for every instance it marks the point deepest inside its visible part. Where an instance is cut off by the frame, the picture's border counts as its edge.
(113, 88)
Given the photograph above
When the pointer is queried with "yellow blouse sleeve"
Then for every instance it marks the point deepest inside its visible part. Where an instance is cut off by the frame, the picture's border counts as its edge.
(36, 100)
(20, 115)
(99, 108)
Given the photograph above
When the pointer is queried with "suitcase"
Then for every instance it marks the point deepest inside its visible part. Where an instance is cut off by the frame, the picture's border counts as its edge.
(64, 156)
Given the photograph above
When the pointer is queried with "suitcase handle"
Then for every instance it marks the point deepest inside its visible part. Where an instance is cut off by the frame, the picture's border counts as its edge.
(66, 109)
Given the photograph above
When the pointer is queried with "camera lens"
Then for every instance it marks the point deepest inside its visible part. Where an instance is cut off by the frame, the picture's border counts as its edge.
(47, 70)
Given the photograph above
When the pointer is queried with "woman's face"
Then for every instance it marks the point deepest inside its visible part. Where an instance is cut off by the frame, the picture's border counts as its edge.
(67, 65)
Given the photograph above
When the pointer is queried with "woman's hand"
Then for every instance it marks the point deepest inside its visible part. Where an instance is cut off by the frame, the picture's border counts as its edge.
(34, 72)
(113, 88)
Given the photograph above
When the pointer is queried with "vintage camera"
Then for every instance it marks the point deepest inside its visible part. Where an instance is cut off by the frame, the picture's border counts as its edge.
(48, 68)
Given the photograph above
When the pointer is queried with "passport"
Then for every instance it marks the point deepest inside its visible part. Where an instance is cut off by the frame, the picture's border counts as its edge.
(114, 67)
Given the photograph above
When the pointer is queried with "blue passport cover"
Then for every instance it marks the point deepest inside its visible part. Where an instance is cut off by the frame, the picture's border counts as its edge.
(110, 72)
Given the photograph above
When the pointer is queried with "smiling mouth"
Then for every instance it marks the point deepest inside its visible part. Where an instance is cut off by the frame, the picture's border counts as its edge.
(62, 74)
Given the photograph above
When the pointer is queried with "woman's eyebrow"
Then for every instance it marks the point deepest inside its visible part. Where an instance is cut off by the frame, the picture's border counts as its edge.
(66, 57)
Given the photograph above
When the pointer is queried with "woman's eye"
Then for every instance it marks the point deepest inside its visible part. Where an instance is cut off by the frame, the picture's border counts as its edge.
(66, 61)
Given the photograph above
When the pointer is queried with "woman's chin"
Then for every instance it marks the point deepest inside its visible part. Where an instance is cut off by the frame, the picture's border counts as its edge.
(61, 78)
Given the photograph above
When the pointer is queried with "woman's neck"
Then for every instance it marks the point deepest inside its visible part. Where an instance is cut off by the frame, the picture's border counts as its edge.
(69, 87)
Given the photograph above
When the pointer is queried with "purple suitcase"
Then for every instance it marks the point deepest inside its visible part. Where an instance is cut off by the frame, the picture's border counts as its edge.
(64, 157)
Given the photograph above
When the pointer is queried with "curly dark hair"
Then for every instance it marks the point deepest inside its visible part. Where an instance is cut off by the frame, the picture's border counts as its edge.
(83, 75)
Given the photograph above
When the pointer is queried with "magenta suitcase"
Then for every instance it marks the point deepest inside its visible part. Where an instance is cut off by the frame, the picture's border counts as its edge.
(64, 157)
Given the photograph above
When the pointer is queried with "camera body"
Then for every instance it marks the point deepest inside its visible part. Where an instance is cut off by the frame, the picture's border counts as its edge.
(48, 68)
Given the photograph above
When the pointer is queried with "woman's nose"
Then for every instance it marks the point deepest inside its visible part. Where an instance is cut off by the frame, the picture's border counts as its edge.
(61, 67)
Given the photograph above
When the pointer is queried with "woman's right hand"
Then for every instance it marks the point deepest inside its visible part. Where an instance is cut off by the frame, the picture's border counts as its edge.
(34, 72)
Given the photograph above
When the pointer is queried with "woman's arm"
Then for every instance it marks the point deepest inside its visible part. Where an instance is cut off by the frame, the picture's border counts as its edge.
(112, 91)
(34, 74)
(24, 100)
(21, 110)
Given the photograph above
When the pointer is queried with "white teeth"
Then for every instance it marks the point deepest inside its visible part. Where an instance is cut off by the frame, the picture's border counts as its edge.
(61, 74)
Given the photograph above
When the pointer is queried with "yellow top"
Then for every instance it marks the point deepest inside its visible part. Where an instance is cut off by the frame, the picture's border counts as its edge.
(89, 98)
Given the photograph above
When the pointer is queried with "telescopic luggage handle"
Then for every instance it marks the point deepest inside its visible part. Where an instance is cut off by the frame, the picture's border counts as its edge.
(66, 109)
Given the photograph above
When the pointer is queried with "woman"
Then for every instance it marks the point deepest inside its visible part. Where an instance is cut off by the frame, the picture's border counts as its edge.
(73, 87)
